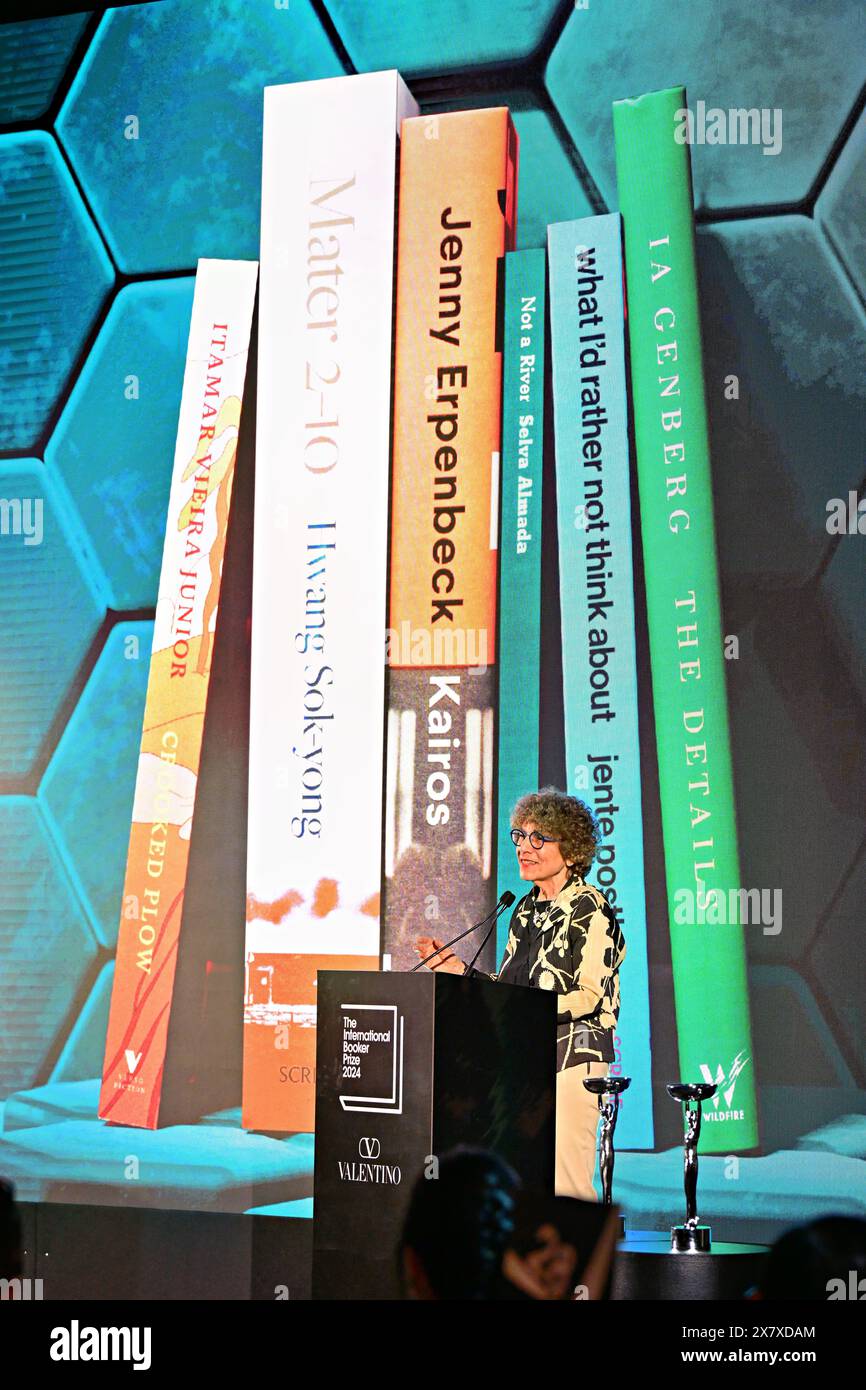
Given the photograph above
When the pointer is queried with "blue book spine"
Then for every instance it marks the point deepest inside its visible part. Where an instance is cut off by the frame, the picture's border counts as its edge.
(520, 550)
(597, 603)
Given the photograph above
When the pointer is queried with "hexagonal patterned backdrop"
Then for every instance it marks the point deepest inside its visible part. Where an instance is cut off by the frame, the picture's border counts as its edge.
(129, 147)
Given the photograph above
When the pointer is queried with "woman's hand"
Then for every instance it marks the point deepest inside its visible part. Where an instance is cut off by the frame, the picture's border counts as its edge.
(451, 964)
(548, 1271)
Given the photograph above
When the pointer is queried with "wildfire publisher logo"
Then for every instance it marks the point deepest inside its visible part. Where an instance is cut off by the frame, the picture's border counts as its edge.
(725, 1086)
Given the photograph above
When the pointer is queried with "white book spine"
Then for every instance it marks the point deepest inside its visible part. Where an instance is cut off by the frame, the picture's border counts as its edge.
(321, 523)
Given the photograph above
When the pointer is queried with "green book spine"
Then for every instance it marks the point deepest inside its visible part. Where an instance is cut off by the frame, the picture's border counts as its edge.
(519, 644)
(684, 615)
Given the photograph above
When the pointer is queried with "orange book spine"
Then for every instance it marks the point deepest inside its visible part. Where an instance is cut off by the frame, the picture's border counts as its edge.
(458, 193)
(157, 867)
(457, 219)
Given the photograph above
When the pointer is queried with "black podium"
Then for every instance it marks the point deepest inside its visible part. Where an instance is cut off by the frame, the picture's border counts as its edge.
(408, 1066)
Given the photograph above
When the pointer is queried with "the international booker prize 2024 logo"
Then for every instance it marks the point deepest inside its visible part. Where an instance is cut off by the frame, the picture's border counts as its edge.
(372, 1061)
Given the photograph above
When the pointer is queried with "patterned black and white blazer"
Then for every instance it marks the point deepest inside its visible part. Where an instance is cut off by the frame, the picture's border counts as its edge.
(572, 945)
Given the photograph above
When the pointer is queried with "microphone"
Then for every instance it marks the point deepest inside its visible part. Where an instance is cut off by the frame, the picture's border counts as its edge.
(506, 899)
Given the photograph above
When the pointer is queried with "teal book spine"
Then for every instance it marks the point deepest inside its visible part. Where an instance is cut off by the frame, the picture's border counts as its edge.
(596, 584)
(684, 616)
(520, 550)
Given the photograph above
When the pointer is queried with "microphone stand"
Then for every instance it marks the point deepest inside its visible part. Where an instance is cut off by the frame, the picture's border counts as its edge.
(471, 964)
(500, 907)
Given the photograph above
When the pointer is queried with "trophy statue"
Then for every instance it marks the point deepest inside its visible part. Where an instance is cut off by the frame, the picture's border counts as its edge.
(691, 1237)
(612, 1087)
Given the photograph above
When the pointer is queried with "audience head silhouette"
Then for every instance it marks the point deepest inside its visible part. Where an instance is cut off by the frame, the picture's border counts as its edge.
(458, 1226)
(816, 1261)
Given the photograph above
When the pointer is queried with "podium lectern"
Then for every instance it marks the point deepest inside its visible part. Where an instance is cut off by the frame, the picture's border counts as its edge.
(408, 1066)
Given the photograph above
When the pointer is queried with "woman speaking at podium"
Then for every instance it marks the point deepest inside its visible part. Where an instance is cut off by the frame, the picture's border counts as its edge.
(563, 936)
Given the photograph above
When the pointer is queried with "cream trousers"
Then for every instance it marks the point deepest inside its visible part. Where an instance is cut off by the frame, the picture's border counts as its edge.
(577, 1117)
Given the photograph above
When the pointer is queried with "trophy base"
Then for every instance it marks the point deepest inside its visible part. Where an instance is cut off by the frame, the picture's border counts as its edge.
(690, 1240)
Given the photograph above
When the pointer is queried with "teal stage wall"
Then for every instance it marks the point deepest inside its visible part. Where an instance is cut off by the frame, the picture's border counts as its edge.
(130, 146)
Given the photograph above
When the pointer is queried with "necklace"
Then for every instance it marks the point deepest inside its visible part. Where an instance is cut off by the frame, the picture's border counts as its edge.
(542, 911)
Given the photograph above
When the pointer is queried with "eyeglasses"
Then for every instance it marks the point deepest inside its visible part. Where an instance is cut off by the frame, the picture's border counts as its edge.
(535, 838)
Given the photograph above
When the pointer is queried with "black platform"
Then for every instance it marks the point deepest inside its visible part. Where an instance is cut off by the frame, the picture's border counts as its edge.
(646, 1269)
